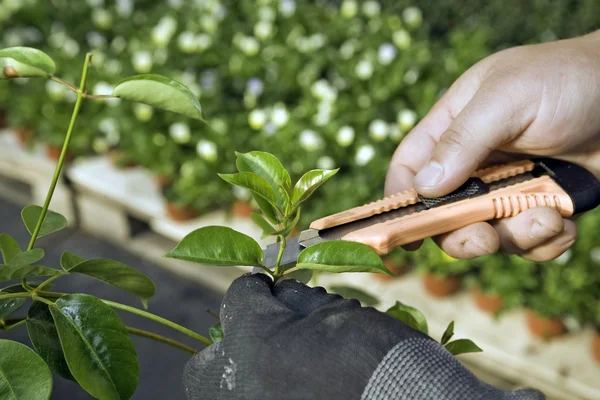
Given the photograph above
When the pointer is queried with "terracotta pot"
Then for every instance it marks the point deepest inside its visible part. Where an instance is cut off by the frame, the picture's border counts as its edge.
(395, 268)
(441, 286)
(596, 344)
(115, 155)
(545, 327)
(23, 135)
(53, 153)
(179, 213)
(162, 180)
(242, 209)
(491, 303)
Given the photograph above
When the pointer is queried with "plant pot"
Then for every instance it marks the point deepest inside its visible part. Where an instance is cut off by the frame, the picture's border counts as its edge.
(162, 180)
(596, 344)
(395, 268)
(23, 136)
(441, 286)
(491, 303)
(180, 213)
(242, 209)
(115, 159)
(53, 152)
(543, 327)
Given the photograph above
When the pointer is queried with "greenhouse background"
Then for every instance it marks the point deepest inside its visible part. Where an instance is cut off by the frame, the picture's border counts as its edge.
(319, 84)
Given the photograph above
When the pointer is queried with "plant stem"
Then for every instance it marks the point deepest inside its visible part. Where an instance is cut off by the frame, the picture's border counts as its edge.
(281, 250)
(46, 282)
(63, 152)
(64, 83)
(23, 295)
(42, 300)
(98, 96)
(267, 270)
(159, 338)
(13, 326)
(160, 320)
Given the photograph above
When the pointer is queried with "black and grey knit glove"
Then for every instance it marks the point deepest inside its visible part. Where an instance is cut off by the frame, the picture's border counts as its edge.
(289, 341)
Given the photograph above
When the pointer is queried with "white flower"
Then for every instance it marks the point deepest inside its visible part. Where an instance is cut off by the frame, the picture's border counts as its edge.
(263, 29)
(180, 132)
(378, 130)
(317, 41)
(125, 8)
(164, 31)
(240, 193)
(108, 125)
(249, 46)
(71, 48)
(386, 53)
(269, 128)
(595, 255)
(95, 39)
(407, 119)
(396, 133)
(203, 41)
(411, 76)
(401, 39)
(102, 18)
(345, 136)
(159, 139)
(219, 125)
(143, 112)
(266, 14)
(564, 257)
(280, 116)
(118, 44)
(187, 42)
(113, 137)
(364, 155)
(287, 8)
(349, 9)
(347, 49)
(207, 150)
(310, 140)
(322, 90)
(413, 17)
(103, 88)
(325, 162)
(99, 145)
(142, 61)
(371, 8)
(55, 90)
(257, 119)
(364, 69)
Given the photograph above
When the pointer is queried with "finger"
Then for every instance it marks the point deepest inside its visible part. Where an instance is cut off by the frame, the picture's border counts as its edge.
(301, 298)
(531, 228)
(495, 115)
(555, 246)
(472, 241)
(204, 372)
(249, 301)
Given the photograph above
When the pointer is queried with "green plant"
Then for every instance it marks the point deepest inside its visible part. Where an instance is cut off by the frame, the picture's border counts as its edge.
(431, 259)
(79, 336)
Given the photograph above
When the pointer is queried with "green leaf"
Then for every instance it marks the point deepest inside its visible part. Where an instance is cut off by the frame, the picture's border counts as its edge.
(119, 275)
(290, 225)
(448, 333)
(69, 260)
(45, 340)
(23, 374)
(52, 223)
(28, 257)
(10, 272)
(268, 167)
(23, 62)
(216, 332)
(8, 247)
(310, 182)
(349, 292)
(341, 256)
(301, 275)
(410, 316)
(161, 92)
(218, 245)
(97, 347)
(263, 224)
(267, 209)
(11, 306)
(253, 182)
(462, 346)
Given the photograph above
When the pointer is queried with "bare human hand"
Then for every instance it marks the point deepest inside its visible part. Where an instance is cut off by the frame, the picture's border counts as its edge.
(541, 100)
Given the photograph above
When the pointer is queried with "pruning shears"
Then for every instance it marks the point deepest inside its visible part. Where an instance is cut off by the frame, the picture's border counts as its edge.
(496, 192)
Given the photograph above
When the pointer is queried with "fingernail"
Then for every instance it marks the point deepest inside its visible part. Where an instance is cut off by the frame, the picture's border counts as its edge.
(431, 175)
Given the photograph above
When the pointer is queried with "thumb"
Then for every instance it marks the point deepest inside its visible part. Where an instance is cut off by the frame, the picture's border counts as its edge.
(492, 118)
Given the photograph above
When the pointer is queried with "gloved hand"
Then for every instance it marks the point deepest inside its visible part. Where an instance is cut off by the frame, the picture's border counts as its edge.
(289, 341)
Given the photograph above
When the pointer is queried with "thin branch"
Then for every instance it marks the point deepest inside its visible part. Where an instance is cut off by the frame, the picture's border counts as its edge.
(98, 96)
(64, 83)
(159, 338)
(8, 327)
